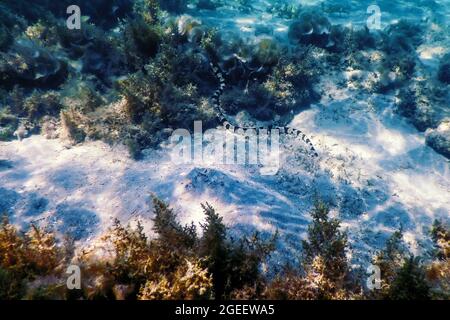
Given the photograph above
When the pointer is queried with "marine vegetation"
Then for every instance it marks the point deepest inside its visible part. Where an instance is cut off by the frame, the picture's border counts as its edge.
(179, 263)
(150, 70)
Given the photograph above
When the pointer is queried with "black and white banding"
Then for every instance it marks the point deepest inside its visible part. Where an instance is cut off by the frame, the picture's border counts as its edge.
(227, 124)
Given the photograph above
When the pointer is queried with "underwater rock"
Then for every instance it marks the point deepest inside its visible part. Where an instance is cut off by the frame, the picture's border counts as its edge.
(311, 28)
(439, 138)
(444, 69)
(28, 64)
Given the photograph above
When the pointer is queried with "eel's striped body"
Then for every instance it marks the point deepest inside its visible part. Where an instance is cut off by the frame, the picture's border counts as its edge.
(223, 119)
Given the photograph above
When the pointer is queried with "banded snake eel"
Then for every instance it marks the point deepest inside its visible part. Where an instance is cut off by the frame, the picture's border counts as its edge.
(227, 124)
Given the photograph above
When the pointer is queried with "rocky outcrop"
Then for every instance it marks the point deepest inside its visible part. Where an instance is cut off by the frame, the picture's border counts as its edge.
(439, 138)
